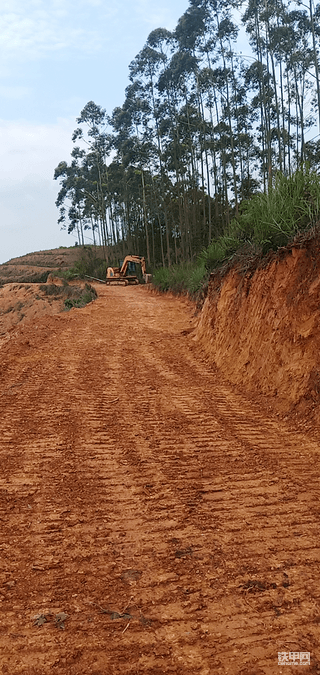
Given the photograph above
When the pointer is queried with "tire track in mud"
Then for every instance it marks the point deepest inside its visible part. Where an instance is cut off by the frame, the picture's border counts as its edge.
(174, 524)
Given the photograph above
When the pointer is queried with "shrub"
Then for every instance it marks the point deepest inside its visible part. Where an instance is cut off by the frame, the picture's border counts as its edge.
(32, 278)
(185, 278)
(80, 297)
(51, 289)
(88, 265)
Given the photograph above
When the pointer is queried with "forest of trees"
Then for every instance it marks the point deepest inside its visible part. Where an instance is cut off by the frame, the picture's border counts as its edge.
(202, 128)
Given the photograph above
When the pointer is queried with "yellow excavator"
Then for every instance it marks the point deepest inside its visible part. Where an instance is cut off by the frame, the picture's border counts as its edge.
(118, 275)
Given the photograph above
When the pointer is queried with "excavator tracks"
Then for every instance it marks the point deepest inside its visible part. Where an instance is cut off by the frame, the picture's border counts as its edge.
(153, 519)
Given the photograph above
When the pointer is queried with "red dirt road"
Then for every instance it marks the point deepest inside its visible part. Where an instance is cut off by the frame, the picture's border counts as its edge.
(174, 524)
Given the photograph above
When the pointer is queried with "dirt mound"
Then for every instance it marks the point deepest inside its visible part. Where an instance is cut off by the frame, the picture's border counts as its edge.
(262, 329)
(23, 302)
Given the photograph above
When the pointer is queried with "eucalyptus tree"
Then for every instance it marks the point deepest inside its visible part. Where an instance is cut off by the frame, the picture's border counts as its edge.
(71, 191)
(147, 68)
(192, 39)
(133, 140)
(93, 133)
(180, 129)
(226, 31)
(198, 131)
(258, 75)
(300, 62)
(281, 37)
(314, 30)
(208, 31)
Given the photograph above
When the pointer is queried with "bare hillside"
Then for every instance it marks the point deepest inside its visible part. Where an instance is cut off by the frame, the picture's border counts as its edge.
(35, 267)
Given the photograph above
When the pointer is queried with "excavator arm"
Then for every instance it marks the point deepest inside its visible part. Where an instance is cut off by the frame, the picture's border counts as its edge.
(133, 258)
(118, 275)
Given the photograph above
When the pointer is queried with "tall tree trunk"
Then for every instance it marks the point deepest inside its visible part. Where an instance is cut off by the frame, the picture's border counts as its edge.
(145, 216)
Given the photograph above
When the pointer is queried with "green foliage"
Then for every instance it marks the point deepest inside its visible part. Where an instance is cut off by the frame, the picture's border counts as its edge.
(89, 264)
(51, 289)
(81, 299)
(268, 221)
(185, 278)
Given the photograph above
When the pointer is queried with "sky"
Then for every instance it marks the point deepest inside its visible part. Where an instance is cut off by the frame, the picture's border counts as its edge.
(55, 56)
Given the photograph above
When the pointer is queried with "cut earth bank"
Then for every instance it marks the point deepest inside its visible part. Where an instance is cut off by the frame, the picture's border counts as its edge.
(261, 328)
(23, 302)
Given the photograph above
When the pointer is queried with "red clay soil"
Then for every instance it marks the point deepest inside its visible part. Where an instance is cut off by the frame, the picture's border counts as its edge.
(153, 519)
(262, 330)
(24, 302)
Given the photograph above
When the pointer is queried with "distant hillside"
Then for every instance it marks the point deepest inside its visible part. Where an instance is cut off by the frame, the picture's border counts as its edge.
(35, 267)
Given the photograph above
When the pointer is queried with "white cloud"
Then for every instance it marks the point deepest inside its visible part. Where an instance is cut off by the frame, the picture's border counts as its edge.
(33, 149)
(32, 28)
(28, 216)
(158, 15)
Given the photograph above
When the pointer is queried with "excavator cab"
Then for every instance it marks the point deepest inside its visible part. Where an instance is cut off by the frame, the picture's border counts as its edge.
(131, 269)
(119, 275)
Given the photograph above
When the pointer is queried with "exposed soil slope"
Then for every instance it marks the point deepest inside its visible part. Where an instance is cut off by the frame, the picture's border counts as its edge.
(262, 330)
(26, 302)
(153, 520)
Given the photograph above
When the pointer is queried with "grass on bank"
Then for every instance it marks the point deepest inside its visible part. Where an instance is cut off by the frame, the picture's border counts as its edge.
(87, 294)
(184, 278)
(265, 222)
(74, 296)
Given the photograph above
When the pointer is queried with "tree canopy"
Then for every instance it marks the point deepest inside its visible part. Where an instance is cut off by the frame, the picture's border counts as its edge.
(202, 128)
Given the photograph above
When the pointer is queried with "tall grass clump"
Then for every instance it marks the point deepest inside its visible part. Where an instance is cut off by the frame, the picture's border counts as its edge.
(184, 278)
(268, 221)
(265, 222)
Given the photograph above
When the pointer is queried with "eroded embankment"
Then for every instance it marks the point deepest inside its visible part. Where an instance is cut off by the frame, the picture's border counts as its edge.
(28, 302)
(262, 329)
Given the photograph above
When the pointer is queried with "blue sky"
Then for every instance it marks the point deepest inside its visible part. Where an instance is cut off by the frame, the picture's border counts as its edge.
(55, 56)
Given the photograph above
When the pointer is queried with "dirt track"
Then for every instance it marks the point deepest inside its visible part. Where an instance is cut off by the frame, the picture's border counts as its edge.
(174, 523)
